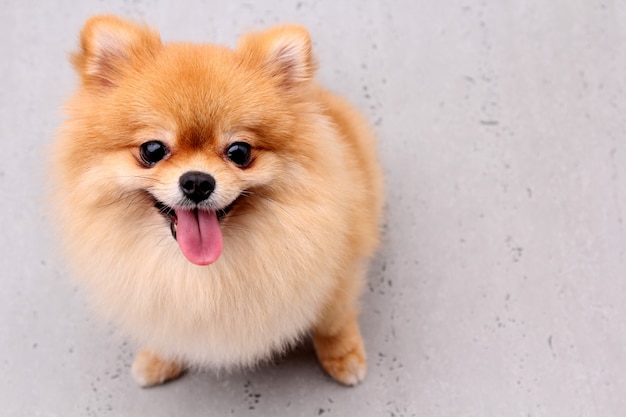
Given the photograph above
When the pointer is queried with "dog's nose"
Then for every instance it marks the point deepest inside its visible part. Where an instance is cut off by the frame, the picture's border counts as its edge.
(197, 186)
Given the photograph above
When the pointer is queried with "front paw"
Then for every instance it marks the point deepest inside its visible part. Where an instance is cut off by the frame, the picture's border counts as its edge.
(149, 369)
(342, 357)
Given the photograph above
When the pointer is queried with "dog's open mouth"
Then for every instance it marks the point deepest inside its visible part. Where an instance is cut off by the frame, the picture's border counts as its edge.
(170, 214)
(197, 231)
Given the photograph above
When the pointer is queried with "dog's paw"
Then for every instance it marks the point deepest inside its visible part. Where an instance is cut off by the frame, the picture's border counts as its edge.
(349, 369)
(342, 356)
(149, 369)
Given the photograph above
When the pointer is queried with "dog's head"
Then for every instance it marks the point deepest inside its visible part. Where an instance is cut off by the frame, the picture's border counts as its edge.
(192, 131)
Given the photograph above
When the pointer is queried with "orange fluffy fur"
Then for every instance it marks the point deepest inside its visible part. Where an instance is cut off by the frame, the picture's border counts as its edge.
(295, 246)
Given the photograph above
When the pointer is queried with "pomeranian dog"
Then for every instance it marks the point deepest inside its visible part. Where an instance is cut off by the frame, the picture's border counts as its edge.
(217, 204)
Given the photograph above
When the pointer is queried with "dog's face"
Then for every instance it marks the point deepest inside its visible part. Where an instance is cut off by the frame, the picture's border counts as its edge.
(191, 131)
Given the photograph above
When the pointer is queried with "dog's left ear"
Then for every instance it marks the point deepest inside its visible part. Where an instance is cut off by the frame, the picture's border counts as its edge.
(285, 52)
(110, 47)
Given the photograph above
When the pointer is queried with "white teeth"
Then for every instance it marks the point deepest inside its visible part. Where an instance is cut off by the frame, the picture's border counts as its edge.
(173, 227)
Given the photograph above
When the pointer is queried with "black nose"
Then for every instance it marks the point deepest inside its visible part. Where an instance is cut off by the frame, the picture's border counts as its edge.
(197, 186)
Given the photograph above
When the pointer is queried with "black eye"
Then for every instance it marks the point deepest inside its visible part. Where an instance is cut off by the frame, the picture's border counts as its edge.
(152, 152)
(239, 153)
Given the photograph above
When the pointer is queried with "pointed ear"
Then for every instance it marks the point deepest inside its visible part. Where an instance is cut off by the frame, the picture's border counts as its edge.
(109, 46)
(285, 52)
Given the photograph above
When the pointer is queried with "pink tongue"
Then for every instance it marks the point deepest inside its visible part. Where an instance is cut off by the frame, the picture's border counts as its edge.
(199, 236)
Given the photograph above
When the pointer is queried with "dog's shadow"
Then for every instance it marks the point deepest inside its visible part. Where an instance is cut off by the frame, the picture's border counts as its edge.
(294, 370)
(284, 382)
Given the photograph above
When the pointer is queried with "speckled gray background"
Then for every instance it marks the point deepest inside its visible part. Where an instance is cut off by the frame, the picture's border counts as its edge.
(501, 286)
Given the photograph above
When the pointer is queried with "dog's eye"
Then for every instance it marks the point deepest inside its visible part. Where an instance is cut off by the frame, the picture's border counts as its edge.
(152, 152)
(239, 153)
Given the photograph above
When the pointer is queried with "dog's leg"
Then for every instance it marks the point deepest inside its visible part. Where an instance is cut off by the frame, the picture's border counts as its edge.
(337, 337)
(340, 349)
(150, 369)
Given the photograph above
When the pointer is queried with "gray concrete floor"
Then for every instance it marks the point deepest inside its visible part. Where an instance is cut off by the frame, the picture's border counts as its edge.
(500, 289)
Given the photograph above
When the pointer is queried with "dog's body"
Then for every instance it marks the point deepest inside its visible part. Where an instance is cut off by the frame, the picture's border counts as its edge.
(217, 204)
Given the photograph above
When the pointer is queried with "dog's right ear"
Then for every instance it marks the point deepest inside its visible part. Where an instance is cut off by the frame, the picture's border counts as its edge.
(109, 47)
(284, 52)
